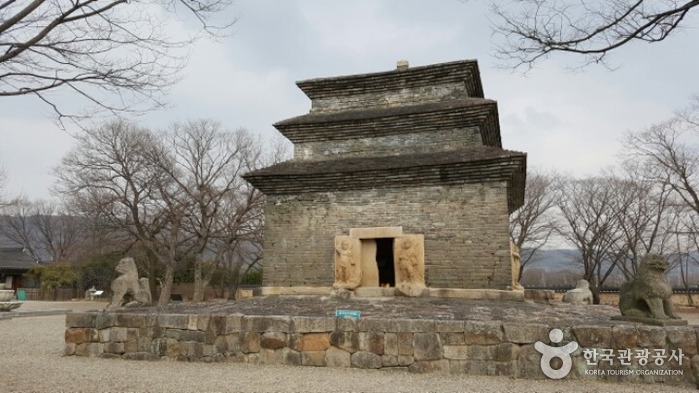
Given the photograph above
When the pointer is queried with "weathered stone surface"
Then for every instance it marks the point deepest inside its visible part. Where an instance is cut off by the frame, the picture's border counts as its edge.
(132, 320)
(107, 355)
(294, 341)
(266, 323)
(651, 336)
(193, 350)
(452, 338)
(250, 342)
(525, 333)
(347, 325)
(405, 344)
(252, 358)
(173, 321)
(283, 356)
(69, 349)
(312, 324)
(315, 342)
(130, 346)
(234, 342)
(335, 357)
(372, 342)
(684, 338)
(448, 326)
(390, 341)
(179, 335)
(529, 363)
(114, 347)
(433, 366)
(405, 360)
(273, 340)
(456, 352)
(118, 334)
(220, 345)
(80, 320)
(503, 352)
(625, 336)
(389, 361)
(216, 324)
(313, 358)
(483, 332)
(362, 359)
(349, 341)
(484, 367)
(76, 335)
(234, 323)
(107, 320)
(593, 336)
(427, 346)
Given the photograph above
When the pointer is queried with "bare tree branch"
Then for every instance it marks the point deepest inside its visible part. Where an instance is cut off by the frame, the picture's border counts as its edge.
(534, 29)
(115, 57)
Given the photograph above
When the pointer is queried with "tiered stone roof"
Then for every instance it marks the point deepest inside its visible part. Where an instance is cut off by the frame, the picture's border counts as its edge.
(387, 112)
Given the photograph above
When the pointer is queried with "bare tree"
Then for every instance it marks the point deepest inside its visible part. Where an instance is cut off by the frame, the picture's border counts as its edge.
(178, 194)
(222, 212)
(643, 211)
(588, 210)
(534, 29)
(109, 175)
(3, 179)
(532, 225)
(115, 55)
(44, 229)
(669, 156)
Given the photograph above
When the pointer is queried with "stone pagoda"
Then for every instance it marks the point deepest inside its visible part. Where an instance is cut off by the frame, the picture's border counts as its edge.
(399, 179)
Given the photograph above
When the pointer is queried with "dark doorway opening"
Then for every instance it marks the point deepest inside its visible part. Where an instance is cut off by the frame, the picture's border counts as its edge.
(384, 260)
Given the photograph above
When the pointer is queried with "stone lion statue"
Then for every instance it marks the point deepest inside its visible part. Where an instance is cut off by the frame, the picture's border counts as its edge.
(127, 289)
(581, 294)
(649, 294)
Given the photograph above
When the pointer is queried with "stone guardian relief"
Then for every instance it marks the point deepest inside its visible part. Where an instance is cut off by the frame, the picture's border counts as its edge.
(402, 266)
(410, 264)
(348, 271)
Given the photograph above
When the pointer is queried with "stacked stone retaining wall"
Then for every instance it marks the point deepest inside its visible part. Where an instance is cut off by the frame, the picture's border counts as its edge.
(417, 345)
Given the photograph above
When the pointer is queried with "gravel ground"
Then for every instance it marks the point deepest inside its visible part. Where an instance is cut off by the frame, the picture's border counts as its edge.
(32, 348)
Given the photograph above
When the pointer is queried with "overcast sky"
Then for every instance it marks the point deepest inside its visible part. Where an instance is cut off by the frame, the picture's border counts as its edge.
(570, 121)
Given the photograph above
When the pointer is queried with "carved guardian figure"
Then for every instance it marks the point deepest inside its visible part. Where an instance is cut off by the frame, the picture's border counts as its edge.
(649, 295)
(348, 272)
(580, 295)
(409, 256)
(127, 289)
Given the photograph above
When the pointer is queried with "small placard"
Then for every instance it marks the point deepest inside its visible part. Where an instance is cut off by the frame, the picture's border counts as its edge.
(351, 314)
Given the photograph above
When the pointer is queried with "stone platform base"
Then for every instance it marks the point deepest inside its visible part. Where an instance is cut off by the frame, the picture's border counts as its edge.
(437, 338)
(471, 294)
(651, 321)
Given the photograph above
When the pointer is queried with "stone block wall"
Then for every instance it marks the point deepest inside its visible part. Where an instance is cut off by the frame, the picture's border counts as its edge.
(449, 346)
(389, 145)
(465, 228)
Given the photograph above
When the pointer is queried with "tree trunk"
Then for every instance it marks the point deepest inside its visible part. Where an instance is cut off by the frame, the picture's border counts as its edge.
(199, 284)
(166, 285)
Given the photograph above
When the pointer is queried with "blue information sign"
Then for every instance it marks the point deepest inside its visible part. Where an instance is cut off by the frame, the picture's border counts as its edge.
(352, 314)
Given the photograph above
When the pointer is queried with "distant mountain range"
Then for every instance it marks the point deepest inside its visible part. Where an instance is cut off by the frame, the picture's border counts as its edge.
(561, 267)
